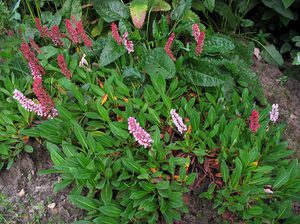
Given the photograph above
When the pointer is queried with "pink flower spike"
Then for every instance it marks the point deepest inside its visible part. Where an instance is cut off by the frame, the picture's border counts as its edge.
(63, 66)
(274, 113)
(115, 33)
(31, 106)
(42, 29)
(199, 38)
(168, 46)
(140, 135)
(177, 120)
(128, 43)
(72, 32)
(55, 35)
(254, 121)
(80, 30)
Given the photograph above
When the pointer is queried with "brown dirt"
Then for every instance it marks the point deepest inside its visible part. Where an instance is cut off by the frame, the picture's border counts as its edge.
(32, 207)
(287, 96)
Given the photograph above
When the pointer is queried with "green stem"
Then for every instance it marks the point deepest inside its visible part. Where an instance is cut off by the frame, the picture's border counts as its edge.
(30, 10)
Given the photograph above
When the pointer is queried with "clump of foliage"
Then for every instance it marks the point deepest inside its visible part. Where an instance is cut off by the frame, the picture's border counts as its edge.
(151, 60)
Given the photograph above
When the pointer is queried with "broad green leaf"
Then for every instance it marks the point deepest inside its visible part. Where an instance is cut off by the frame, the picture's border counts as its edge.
(162, 185)
(138, 194)
(156, 61)
(278, 6)
(72, 8)
(180, 9)
(224, 171)
(111, 10)
(160, 6)
(47, 52)
(236, 174)
(200, 79)
(105, 220)
(255, 210)
(117, 131)
(56, 158)
(62, 185)
(131, 165)
(138, 10)
(111, 52)
(4, 149)
(106, 193)
(210, 5)
(80, 135)
(64, 113)
(296, 60)
(282, 177)
(271, 55)
(84, 202)
(110, 210)
(217, 44)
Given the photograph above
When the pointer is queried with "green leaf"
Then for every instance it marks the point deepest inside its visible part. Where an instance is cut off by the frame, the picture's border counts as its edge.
(64, 113)
(103, 113)
(47, 52)
(160, 6)
(138, 10)
(201, 79)
(224, 171)
(210, 5)
(28, 148)
(271, 55)
(4, 149)
(56, 158)
(80, 135)
(106, 193)
(105, 220)
(255, 210)
(138, 194)
(296, 60)
(62, 185)
(217, 44)
(162, 185)
(282, 177)
(279, 7)
(117, 131)
(84, 202)
(236, 174)
(111, 211)
(156, 61)
(111, 52)
(111, 10)
(131, 165)
(180, 9)
(72, 8)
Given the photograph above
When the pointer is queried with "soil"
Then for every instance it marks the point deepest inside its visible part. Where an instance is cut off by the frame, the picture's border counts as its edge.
(30, 197)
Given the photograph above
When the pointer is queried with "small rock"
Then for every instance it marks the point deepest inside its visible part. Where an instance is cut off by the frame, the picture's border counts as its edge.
(21, 193)
(51, 206)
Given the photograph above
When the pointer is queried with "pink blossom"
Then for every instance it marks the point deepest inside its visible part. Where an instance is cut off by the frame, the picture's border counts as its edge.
(115, 33)
(31, 106)
(274, 113)
(168, 46)
(34, 46)
(128, 43)
(80, 30)
(254, 121)
(55, 35)
(63, 66)
(140, 135)
(42, 29)
(177, 120)
(199, 38)
(72, 32)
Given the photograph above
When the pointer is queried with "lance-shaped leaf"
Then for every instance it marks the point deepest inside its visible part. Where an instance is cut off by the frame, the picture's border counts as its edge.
(138, 10)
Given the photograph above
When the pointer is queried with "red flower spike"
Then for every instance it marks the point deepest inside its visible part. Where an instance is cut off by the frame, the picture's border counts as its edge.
(63, 66)
(55, 35)
(80, 31)
(73, 32)
(36, 69)
(199, 38)
(34, 46)
(168, 46)
(254, 121)
(42, 29)
(115, 33)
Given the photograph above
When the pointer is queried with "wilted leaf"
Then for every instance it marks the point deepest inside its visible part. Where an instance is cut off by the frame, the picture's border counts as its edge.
(138, 10)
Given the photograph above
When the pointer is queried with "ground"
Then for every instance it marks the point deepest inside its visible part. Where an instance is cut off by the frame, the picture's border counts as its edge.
(29, 198)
